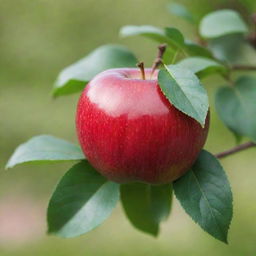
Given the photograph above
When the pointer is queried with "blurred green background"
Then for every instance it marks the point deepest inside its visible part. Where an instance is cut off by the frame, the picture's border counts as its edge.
(37, 39)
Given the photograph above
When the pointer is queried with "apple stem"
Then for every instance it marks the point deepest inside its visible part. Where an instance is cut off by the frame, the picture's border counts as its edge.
(140, 65)
(158, 61)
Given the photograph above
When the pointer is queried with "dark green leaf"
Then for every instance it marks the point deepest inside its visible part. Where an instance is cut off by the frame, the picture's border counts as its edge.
(75, 77)
(45, 148)
(82, 200)
(146, 205)
(184, 90)
(181, 11)
(197, 50)
(238, 138)
(233, 49)
(175, 36)
(169, 55)
(222, 22)
(204, 192)
(202, 66)
(236, 106)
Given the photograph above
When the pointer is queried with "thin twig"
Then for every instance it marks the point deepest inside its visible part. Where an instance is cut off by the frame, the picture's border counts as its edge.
(236, 149)
(243, 67)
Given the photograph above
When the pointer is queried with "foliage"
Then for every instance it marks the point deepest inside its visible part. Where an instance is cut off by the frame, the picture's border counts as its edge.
(84, 199)
(145, 205)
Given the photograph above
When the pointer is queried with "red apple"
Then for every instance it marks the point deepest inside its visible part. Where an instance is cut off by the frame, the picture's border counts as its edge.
(129, 131)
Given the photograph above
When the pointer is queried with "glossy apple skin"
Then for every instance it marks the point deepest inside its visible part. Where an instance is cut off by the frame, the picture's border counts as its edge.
(129, 131)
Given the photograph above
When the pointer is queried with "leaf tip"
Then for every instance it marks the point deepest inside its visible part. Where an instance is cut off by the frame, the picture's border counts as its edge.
(54, 92)
(49, 231)
(9, 163)
(223, 239)
(202, 122)
(154, 233)
(121, 32)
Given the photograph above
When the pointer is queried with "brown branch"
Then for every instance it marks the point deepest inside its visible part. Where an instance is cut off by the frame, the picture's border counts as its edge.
(236, 149)
(243, 67)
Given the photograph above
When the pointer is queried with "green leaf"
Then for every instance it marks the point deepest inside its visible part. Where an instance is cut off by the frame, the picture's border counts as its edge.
(202, 66)
(82, 200)
(170, 36)
(194, 49)
(222, 22)
(148, 31)
(181, 11)
(238, 138)
(204, 193)
(45, 148)
(169, 55)
(236, 106)
(184, 90)
(175, 36)
(233, 49)
(146, 205)
(74, 78)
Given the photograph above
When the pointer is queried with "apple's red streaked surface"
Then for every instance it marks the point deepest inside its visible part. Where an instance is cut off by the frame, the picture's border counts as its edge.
(129, 131)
